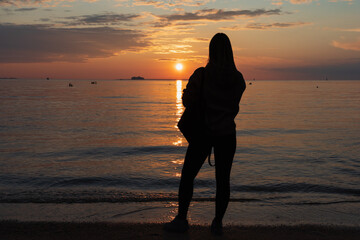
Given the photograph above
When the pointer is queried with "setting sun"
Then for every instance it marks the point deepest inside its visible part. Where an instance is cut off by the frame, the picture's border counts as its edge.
(179, 66)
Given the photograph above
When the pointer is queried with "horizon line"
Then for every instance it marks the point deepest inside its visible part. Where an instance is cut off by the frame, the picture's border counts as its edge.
(164, 79)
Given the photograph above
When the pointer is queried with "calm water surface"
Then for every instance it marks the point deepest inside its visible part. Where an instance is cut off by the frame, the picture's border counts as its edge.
(117, 141)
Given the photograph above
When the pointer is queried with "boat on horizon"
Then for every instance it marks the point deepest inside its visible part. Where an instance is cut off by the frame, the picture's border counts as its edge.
(137, 78)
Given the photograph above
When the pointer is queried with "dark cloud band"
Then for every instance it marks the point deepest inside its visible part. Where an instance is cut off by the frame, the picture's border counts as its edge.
(101, 19)
(44, 43)
(19, 2)
(263, 26)
(346, 70)
(25, 9)
(217, 15)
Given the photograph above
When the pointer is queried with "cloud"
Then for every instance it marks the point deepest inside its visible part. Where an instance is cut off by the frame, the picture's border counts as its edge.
(348, 1)
(352, 30)
(280, 2)
(10, 11)
(171, 48)
(25, 9)
(20, 3)
(45, 19)
(300, 1)
(277, 3)
(189, 58)
(198, 39)
(9, 2)
(339, 70)
(210, 15)
(353, 46)
(170, 3)
(218, 14)
(45, 43)
(101, 19)
(344, 29)
(264, 26)
(165, 44)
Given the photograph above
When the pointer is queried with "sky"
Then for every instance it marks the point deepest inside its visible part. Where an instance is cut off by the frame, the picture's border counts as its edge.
(112, 39)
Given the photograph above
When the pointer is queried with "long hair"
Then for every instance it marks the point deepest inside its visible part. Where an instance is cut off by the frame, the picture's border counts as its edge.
(220, 52)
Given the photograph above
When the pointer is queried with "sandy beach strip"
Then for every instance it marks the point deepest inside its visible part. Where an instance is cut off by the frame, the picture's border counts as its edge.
(105, 230)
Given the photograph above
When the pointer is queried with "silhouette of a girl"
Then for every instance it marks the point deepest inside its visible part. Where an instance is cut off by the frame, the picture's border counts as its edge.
(223, 86)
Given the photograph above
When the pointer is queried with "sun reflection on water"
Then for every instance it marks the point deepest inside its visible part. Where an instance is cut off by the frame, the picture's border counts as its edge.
(178, 142)
(179, 105)
(178, 161)
(179, 109)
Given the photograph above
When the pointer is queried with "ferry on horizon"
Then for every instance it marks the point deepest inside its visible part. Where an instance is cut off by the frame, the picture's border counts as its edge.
(137, 78)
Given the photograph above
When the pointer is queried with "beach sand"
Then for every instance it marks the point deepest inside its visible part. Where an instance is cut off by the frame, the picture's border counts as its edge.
(106, 230)
(144, 221)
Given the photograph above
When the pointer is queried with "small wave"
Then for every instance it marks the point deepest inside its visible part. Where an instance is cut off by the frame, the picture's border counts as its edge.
(297, 187)
(147, 183)
(115, 151)
(152, 149)
(124, 97)
(273, 131)
(47, 196)
(113, 196)
(323, 203)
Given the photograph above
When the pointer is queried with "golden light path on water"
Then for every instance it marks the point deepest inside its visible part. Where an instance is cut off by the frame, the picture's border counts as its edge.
(179, 109)
(179, 105)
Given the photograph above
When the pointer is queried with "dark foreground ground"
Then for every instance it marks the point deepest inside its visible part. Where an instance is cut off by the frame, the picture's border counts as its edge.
(109, 231)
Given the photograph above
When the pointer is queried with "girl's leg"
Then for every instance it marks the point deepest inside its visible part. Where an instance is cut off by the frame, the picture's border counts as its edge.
(224, 151)
(194, 159)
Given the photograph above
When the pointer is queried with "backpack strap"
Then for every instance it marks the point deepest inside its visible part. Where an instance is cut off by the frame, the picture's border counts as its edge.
(209, 161)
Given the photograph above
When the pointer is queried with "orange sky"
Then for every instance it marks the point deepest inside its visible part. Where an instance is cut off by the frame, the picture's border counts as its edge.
(111, 39)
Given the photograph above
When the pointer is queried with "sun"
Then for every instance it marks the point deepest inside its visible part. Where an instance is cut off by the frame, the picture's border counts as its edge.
(179, 66)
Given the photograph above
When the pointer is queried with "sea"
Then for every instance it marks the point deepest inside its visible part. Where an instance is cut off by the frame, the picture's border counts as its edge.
(115, 143)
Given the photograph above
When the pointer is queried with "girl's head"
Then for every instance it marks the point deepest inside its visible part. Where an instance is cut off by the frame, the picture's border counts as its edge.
(220, 51)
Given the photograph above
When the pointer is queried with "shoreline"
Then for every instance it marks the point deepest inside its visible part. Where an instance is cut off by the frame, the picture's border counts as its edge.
(200, 213)
(109, 231)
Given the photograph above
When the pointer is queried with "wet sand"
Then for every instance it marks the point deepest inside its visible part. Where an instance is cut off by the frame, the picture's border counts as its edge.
(200, 213)
(109, 231)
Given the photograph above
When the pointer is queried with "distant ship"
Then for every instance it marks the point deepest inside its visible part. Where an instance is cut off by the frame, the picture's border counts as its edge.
(137, 78)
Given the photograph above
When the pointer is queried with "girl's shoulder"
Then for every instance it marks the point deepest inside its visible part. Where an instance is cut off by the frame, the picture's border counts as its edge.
(197, 76)
(199, 70)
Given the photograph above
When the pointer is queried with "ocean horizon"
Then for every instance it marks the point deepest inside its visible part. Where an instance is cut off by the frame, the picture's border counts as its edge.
(165, 79)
